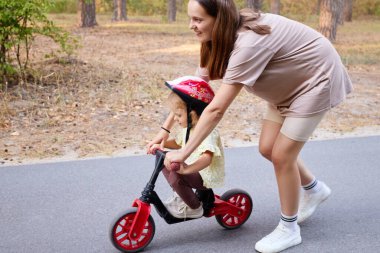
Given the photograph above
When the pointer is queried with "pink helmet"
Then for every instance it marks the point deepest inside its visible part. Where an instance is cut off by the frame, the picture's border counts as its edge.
(195, 91)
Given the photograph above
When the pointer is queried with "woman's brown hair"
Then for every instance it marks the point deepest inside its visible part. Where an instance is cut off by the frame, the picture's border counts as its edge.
(215, 54)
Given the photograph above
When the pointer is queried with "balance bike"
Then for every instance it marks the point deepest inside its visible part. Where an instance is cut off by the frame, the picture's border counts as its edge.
(134, 229)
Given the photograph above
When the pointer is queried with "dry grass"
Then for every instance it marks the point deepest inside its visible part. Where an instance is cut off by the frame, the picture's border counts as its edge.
(109, 98)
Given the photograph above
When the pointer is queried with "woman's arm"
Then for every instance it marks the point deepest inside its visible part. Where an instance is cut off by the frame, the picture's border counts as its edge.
(204, 161)
(210, 117)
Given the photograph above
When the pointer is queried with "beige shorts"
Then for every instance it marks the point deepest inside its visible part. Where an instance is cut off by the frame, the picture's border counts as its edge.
(298, 129)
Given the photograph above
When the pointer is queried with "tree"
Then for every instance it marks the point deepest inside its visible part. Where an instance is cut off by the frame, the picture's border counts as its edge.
(87, 13)
(330, 12)
(119, 10)
(347, 12)
(275, 6)
(172, 10)
(21, 21)
(254, 4)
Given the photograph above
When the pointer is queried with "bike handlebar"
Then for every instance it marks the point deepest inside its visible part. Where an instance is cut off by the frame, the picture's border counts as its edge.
(173, 166)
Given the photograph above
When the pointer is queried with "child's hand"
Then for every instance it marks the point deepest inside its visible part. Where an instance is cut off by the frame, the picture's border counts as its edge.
(161, 138)
(153, 148)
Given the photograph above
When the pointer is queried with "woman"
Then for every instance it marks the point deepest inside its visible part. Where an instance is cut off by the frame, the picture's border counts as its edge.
(291, 66)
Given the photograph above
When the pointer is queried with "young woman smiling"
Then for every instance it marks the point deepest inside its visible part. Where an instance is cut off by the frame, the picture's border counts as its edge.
(291, 66)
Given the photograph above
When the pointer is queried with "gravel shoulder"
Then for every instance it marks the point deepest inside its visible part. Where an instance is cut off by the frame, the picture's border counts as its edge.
(109, 100)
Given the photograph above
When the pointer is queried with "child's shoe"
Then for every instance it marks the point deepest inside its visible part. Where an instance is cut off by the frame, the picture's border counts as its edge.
(184, 211)
(310, 201)
(280, 239)
(174, 200)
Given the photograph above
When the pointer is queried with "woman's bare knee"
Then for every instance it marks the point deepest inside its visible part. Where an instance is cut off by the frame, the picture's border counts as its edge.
(266, 151)
(285, 153)
(279, 160)
(268, 136)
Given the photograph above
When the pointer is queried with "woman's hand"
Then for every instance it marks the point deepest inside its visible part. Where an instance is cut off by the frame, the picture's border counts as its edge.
(174, 157)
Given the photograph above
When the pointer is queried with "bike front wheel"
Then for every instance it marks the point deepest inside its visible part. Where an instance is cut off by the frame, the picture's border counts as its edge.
(120, 230)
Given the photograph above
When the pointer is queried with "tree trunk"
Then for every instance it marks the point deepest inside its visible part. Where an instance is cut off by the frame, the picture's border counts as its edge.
(250, 4)
(86, 13)
(347, 13)
(329, 17)
(254, 4)
(123, 10)
(179, 6)
(115, 14)
(172, 10)
(275, 6)
(341, 4)
(119, 10)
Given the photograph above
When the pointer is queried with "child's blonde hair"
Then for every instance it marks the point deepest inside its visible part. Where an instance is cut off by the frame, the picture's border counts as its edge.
(176, 102)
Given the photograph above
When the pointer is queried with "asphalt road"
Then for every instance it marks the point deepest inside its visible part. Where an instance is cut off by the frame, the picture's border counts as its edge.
(69, 206)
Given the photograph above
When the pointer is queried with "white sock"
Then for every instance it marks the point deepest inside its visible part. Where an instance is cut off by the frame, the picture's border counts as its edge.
(289, 222)
(312, 187)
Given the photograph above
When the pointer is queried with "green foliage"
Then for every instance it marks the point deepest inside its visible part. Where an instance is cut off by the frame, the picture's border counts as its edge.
(20, 22)
(299, 8)
(103, 6)
(146, 7)
(366, 7)
(63, 6)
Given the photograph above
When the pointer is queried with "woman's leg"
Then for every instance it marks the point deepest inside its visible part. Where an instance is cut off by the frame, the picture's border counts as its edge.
(283, 153)
(281, 143)
(284, 158)
(269, 133)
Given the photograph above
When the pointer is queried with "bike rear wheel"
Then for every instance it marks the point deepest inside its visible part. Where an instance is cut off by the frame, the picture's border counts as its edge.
(238, 198)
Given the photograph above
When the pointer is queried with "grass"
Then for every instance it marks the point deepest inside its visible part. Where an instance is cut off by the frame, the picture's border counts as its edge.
(358, 42)
(139, 24)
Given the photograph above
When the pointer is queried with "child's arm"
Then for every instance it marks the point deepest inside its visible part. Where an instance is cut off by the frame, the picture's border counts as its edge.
(170, 144)
(203, 162)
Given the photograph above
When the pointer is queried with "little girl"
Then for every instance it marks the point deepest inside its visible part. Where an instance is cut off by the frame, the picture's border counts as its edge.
(204, 169)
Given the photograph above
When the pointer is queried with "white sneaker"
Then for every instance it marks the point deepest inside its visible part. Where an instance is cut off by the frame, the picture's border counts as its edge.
(174, 200)
(280, 239)
(184, 211)
(310, 201)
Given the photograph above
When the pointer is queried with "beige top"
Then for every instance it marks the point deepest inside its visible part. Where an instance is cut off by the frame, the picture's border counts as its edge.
(213, 175)
(295, 67)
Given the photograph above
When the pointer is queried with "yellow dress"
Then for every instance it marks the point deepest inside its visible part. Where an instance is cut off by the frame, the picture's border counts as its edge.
(213, 175)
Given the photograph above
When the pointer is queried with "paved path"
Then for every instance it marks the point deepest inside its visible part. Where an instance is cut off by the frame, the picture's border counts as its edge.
(68, 206)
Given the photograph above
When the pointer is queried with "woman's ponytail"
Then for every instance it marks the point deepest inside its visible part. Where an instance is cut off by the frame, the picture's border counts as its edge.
(248, 21)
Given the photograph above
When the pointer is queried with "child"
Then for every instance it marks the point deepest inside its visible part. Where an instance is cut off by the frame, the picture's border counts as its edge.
(204, 169)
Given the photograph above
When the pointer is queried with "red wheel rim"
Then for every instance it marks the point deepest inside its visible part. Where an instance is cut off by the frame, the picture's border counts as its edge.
(121, 232)
(242, 201)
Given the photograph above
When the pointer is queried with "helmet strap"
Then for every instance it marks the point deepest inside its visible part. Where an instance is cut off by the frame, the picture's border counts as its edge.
(189, 123)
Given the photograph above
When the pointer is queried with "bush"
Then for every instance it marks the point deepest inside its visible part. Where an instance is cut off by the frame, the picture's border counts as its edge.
(366, 7)
(146, 7)
(20, 22)
(63, 6)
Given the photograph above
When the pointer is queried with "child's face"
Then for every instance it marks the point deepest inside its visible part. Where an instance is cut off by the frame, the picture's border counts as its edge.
(180, 116)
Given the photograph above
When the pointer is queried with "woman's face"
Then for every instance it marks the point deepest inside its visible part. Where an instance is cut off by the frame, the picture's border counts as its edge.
(200, 22)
